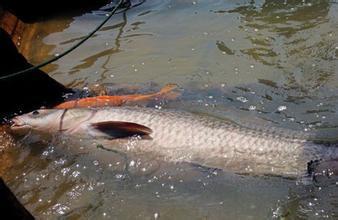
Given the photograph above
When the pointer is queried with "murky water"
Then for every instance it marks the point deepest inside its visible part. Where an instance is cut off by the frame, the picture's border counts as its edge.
(256, 62)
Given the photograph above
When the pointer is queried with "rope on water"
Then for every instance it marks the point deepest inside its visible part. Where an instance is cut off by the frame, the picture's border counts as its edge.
(119, 4)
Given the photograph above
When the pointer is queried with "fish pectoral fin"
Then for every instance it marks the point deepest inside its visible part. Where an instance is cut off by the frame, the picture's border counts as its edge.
(121, 129)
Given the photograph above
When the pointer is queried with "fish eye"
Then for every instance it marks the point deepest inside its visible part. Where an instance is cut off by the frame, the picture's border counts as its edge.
(35, 112)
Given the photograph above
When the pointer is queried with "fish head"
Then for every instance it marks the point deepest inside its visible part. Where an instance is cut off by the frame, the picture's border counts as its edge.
(42, 120)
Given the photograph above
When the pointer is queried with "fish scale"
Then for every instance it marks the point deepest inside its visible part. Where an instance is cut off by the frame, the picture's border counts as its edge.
(181, 136)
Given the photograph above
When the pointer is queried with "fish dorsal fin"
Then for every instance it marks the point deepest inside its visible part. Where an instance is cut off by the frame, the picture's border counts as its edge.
(121, 129)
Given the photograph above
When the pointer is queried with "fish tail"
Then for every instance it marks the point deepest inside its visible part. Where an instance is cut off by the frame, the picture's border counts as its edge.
(167, 92)
(167, 88)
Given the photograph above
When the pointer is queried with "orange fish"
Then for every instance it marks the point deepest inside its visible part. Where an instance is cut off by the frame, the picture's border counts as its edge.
(101, 101)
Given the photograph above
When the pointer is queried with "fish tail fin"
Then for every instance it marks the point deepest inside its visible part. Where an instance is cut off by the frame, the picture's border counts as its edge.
(167, 88)
(168, 92)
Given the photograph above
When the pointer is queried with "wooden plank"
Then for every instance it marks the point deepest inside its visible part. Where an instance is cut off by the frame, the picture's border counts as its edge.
(13, 26)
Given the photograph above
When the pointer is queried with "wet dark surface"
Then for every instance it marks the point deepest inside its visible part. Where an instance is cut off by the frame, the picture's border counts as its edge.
(259, 63)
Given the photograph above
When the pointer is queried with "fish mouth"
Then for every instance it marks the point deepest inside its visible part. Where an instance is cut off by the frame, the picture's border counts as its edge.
(19, 126)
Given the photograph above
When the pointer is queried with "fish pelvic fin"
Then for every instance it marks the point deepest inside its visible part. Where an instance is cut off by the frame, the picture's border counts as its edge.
(121, 129)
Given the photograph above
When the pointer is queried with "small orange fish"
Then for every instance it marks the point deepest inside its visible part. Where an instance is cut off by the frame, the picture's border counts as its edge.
(101, 101)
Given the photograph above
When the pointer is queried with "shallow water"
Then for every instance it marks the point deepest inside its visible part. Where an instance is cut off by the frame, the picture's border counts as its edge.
(259, 63)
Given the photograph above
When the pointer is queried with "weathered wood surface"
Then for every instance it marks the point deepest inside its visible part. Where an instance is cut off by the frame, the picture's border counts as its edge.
(28, 91)
(36, 10)
(13, 26)
(23, 34)
(25, 20)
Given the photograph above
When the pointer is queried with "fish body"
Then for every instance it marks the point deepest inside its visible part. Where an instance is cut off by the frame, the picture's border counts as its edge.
(182, 137)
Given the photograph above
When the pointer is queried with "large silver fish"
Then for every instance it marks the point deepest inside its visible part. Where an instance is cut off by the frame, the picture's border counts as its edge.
(180, 136)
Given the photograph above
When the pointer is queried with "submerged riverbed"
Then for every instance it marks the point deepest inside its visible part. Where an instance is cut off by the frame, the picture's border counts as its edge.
(259, 63)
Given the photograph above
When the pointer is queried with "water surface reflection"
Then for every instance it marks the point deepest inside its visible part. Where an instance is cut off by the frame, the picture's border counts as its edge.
(259, 63)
